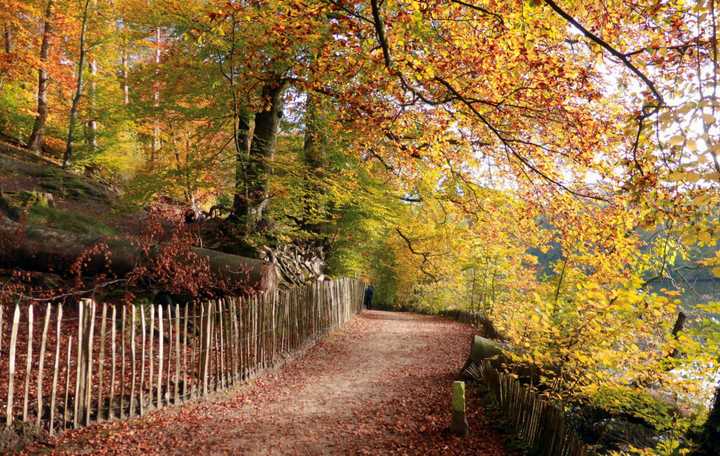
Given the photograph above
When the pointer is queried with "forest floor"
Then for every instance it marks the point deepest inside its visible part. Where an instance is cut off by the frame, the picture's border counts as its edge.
(379, 385)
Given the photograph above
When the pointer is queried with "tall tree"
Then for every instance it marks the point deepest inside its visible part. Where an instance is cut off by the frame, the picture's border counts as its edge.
(79, 85)
(251, 196)
(35, 141)
(156, 98)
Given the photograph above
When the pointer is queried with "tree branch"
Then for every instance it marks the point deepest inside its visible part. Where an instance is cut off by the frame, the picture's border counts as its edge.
(380, 31)
(622, 57)
(425, 255)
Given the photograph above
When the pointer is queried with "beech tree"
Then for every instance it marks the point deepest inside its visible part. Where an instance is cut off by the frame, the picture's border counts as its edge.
(36, 137)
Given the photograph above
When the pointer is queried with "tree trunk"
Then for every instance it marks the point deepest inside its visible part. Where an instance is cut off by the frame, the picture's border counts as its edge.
(36, 137)
(44, 249)
(312, 147)
(79, 89)
(316, 211)
(252, 205)
(314, 155)
(120, 30)
(126, 85)
(242, 151)
(156, 97)
(711, 433)
(92, 123)
(91, 136)
(7, 35)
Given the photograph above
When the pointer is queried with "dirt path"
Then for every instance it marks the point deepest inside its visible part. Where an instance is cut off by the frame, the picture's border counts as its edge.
(379, 385)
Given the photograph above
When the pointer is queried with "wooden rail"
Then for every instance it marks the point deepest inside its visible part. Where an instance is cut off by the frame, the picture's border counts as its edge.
(159, 355)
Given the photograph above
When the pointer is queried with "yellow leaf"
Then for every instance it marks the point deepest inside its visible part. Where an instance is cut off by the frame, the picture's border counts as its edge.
(676, 140)
(704, 237)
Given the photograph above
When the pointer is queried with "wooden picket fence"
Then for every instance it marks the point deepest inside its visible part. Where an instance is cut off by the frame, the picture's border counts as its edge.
(105, 361)
(540, 423)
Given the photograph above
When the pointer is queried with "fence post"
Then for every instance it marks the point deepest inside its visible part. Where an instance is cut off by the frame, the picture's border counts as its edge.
(113, 342)
(101, 363)
(11, 366)
(176, 398)
(186, 373)
(88, 382)
(205, 352)
(66, 411)
(160, 357)
(28, 362)
(132, 357)
(142, 360)
(58, 319)
(167, 395)
(151, 349)
(459, 424)
(41, 362)
(123, 317)
(78, 367)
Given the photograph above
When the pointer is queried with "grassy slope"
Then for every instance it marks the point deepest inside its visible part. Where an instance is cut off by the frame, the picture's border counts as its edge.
(80, 204)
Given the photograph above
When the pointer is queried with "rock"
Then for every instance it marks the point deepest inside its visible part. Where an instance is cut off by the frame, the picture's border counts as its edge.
(483, 348)
(8, 209)
(32, 198)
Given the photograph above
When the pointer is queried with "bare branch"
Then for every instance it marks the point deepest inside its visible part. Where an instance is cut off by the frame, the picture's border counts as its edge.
(425, 255)
(380, 30)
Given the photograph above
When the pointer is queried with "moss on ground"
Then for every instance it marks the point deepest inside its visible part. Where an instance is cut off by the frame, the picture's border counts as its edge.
(50, 178)
(67, 221)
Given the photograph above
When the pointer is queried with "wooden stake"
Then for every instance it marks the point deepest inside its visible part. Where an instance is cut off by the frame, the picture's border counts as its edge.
(273, 328)
(122, 361)
(198, 353)
(142, 361)
(215, 349)
(113, 341)
(58, 319)
(78, 366)
(169, 353)
(221, 352)
(235, 341)
(41, 362)
(66, 411)
(176, 398)
(132, 356)
(160, 357)
(152, 359)
(241, 340)
(186, 374)
(28, 362)
(206, 349)
(88, 382)
(101, 365)
(11, 366)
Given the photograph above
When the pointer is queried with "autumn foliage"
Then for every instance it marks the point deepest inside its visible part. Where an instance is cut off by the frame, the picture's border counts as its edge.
(550, 165)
